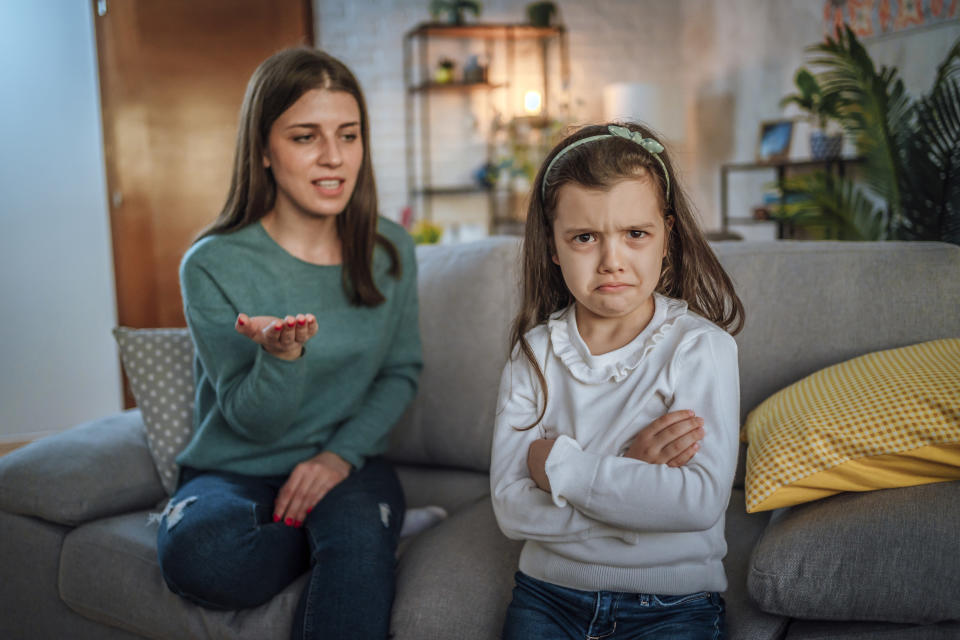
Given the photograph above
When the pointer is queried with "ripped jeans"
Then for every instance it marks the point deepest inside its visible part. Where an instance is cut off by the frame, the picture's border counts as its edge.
(220, 548)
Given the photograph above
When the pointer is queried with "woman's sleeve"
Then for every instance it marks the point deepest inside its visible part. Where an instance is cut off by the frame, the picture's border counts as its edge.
(258, 394)
(523, 510)
(366, 433)
(636, 495)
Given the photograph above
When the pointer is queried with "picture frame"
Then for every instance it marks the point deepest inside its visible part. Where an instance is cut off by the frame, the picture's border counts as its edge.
(773, 140)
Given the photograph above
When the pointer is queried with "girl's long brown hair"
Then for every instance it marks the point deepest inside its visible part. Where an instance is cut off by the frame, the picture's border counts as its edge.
(691, 271)
(277, 83)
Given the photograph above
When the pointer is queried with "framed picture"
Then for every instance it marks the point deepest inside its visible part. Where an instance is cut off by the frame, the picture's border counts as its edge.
(774, 140)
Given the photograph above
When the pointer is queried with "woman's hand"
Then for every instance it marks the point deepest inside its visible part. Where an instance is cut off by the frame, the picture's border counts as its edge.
(537, 461)
(672, 440)
(309, 482)
(281, 337)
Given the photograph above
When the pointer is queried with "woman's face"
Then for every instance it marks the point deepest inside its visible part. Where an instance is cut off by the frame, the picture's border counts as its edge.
(315, 152)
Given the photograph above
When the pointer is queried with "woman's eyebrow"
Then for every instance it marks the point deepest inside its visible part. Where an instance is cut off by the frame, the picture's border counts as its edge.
(313, 125)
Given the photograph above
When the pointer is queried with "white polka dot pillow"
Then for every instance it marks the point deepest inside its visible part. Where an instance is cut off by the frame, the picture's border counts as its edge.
(884, 420)
(159, 365)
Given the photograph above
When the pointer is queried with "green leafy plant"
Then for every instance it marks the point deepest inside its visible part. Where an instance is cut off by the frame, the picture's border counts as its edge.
(821, 109)
(454, 9)
(910, 187)
(426, 232)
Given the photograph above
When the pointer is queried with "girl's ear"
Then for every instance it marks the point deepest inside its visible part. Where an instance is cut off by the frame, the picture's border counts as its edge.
(266, 162)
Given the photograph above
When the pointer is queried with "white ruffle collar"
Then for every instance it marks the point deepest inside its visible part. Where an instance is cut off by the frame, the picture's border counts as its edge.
(617, 364)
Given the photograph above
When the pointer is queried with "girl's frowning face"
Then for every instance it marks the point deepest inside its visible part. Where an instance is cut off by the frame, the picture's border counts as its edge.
(315, 152)
(610, 246)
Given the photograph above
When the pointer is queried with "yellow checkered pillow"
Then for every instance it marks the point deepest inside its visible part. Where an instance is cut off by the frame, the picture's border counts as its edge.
(886, 419)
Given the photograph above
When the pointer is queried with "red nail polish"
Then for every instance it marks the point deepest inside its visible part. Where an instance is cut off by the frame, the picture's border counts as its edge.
(310, 509)
(291, 323)
(279, 327)
(288, 522)
(301, 322)
(297, 524)
(276, 518)
(240, 322)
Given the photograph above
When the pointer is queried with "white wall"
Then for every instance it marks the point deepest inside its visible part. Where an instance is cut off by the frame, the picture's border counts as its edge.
(59, 363)
(727, 64)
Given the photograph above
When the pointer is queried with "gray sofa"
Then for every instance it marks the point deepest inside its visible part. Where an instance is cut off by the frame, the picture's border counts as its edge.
(78, 557)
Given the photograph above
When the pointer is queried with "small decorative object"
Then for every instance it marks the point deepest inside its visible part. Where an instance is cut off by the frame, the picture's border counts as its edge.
(474, 72)
(426, 232)
(454, 9)
(774, 140)
(444, 72)
(824, 146)
(821, 110)
(486, 175)
(541, 14)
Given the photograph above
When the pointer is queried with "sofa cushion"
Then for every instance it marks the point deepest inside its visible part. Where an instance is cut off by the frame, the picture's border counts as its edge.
(879, 556)
(109, 573)
(96, 469)
(159, 365)
(30, 606)
(883, 420)
(455, 580)
(820, 630)
(468, 297)
(744, 618)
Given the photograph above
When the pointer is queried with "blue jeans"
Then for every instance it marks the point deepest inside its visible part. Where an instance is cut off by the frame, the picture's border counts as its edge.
(220, 548)
(549, 612)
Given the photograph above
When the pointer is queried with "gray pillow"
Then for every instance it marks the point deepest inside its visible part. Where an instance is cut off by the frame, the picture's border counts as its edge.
(159, 365)
(888, 556)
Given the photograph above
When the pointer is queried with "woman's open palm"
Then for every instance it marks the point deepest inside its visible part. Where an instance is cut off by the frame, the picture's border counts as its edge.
(282, 337)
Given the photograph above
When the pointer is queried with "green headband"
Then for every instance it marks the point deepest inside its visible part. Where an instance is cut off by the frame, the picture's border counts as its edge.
(650, 145)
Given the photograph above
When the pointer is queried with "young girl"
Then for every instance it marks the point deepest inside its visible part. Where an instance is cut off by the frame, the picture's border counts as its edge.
(302, 305)
(620, 328)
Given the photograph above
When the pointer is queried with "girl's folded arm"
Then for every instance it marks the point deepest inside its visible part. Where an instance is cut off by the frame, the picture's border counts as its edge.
(523, 510)
(632, 494)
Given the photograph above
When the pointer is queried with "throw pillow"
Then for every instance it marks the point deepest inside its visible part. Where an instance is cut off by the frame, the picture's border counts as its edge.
(159, 365)
(883, 555)
(886, 419)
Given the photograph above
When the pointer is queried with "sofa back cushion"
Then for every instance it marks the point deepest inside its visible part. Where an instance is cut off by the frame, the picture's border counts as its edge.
(468, 296)
(813, 304)
(808, 305)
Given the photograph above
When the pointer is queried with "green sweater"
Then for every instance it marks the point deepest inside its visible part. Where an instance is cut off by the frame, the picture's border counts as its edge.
(259, 415)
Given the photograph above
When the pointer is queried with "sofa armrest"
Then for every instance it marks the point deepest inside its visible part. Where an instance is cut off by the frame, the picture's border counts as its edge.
(94, 470)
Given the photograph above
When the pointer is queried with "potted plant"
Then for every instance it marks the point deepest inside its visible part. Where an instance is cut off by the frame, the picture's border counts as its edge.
(541, 13)
(910, 185)
(454, 9)
(821, 110)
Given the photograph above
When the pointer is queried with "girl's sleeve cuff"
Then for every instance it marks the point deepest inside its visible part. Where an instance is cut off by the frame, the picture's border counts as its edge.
(562, 470)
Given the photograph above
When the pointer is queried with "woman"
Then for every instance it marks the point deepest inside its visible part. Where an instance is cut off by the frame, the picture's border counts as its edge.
(302, 304)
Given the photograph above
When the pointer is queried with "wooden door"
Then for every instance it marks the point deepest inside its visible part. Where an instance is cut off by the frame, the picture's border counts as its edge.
(172, 77)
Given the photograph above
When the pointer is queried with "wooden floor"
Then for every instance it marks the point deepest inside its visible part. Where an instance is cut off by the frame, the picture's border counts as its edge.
(7, 447)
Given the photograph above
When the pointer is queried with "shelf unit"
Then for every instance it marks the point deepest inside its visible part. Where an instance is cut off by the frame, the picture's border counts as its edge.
(498, 40)
(837, 165)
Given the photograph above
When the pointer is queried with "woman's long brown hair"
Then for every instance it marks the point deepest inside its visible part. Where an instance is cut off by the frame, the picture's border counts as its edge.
(691, 271)
(277, 83)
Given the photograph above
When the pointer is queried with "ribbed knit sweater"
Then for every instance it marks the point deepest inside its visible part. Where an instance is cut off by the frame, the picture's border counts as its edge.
(614, 523)
(259, 415)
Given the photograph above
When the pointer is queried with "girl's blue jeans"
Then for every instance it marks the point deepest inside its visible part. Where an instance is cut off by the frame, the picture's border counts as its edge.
(550, 612)
(220, 548)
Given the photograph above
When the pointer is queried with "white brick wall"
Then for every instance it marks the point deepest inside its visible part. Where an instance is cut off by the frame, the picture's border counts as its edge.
(726, 65)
